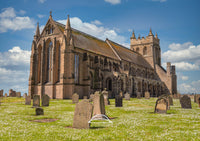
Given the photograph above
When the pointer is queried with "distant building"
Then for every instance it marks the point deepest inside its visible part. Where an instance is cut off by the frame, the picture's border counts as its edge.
(65, 60)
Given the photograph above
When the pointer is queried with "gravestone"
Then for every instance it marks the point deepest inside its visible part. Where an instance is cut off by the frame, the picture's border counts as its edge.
(199, 102)
(75, 98)
(25, 95)
(196, 98)
(45, 100)
(105, 95)
(84, 97)
(39, 111)
(98, 104)
(185, 102)
(118, 101)
(36, 101)
(166, 96)
(28, 100)
(147, 95)
(170, 100)
(1, 93)
(82, 114)
(127, 96)
(139, 95)
(6, 95)
(18, 94)
(91, 97)
(161, 106)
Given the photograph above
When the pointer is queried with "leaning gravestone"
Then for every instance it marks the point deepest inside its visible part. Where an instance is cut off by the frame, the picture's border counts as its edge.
(139, 95)
(28, 100)
(161, 106)
(127, 96)
(186, 102)
(82, 114)
(39, 111)
(36, 101)
(147, 95)
(45, 100)
(105, 95)
(118, 101)
(75, 98)
(98, 104)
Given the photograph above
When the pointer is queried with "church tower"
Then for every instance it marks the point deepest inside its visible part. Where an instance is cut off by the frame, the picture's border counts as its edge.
(148, 47)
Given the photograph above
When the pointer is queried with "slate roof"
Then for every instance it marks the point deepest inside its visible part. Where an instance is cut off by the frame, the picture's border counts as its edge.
(110, 49)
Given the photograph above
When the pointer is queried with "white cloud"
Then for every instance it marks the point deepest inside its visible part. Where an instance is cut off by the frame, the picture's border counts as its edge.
(9, 21)
(41, 1)
(160, 0)
(190, 88)
(14, 69)
(185, 56)
(40, 16)
(22, 12)
(96, 22)
(184, 78)
(95, 30)
(113, 1)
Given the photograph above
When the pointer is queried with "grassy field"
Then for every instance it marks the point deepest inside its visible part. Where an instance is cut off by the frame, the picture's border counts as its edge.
(134, 121)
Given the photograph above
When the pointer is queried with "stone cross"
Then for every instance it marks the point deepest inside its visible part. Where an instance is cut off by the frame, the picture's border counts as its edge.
(127, 96)
(82, 114)
(45, 100)
(161, 106)
(98, 104)
(147, 95)
(118, 101)
(36, 101)
(28, 100)
(185, 102)
(105, 95)
(75, 98)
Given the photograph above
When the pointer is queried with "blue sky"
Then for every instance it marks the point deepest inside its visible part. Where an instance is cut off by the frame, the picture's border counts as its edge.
(177, 23)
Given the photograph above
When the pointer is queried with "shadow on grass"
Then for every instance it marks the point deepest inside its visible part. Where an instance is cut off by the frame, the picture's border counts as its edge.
(97, 127)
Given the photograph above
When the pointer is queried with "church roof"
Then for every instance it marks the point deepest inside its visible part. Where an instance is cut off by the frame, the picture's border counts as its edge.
(110, 49)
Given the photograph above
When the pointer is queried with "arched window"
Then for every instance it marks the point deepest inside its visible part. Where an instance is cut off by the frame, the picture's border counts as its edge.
(137, 49)
(49, 61)
(76, 67)
(145, 51)
(39, 63)
(57, 62)
(91, 81)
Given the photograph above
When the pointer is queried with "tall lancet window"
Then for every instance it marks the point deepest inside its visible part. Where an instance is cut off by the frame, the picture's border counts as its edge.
(58, 63)
(76, 67)
(49, 61)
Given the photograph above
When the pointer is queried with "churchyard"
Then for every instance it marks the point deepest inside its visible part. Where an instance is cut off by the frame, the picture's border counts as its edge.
(135, 120)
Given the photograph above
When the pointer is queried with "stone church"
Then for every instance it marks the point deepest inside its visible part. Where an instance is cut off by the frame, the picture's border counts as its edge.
(65, 60)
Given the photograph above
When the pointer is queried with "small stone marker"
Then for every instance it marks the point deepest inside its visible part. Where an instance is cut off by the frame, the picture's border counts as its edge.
(161, 106)
(127, 96)
(39, 111)
(84, 97)
(75, 98)
(186, 102)
(139, 95)
(36, 101)
(118, 101)
(105, 95)
(28, 100)
(147, 95)
(45, 100)
(82, 114)
(98, 104)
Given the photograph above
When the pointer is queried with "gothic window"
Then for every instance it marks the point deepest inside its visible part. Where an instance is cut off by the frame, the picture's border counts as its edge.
(49, 61)
(137, 49)
(59, 56)
(145, 51)
(39, 63)
(50, 29)
(76, 67)
(91, 80)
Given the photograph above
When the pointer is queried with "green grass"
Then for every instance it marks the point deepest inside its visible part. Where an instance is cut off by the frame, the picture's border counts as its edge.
(136, 120)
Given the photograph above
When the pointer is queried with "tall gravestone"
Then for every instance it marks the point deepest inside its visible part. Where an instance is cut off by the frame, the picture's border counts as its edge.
(118, 101)
(75, 98)
(127, 96)
(185, 102)
(82, 114)
(45, 100)
(28, 100)
(161, 105)
(10, 93)
(98, 104)
(105, 95)
(147, 95)
(36, 101)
